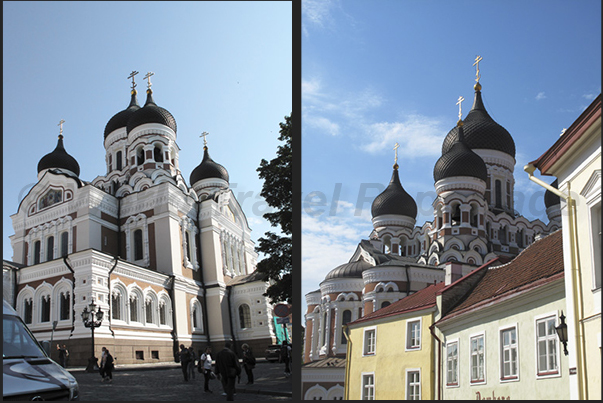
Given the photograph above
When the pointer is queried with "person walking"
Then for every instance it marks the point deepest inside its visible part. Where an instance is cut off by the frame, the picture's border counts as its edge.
(184, 360)
(286, 357)
(191, 363)
(66, 355)
(227, 365)
(248, 363)
(62, 355)
(205, 364)
(106, 366)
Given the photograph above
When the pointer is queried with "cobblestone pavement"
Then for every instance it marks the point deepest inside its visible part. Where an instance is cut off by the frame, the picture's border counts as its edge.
(166, 383)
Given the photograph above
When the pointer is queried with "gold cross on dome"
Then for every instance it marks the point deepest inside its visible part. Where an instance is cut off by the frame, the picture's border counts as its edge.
(148, 77)
(132, 74)
(477, 60)
(204, 135)
(459, 103)
(396, 146)
(61, 127)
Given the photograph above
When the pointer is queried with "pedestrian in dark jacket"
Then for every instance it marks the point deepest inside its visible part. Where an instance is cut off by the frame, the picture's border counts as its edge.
(106, 366)
(185, 358)
(286, 357)
(248, 362)
(227, 365)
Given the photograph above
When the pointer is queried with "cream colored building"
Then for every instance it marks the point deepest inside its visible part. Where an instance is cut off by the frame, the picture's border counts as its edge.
(575, 159)
(497, 333)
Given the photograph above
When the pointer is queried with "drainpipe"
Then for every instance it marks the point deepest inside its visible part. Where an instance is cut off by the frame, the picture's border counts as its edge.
(576, 277)
(439, 362)
(345, 331)
(72, 295)
(109, 287)
(234, 342)
(204, 305)
(173, 332)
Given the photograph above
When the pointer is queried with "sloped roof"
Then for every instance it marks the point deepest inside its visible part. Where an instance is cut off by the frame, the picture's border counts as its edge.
(421, 299)
(329, 362)
(538, 264)
(247, 278)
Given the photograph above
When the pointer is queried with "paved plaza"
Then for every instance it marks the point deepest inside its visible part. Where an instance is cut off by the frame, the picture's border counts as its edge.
(165, 382)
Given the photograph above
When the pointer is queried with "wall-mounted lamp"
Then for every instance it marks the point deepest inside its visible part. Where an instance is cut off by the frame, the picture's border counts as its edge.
(562, 332)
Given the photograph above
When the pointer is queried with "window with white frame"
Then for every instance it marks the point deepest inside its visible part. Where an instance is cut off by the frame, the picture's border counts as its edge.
(478, 359)
(452, 363)
(64, 305)
(546, 347)
(28, 310)
(370, 341)
(116, 305)
(368, 386)
(413, 385)
(346, 318)
(45, 308)
(197, 315)
(244, 316)
(413, 334)
(509, 354)
(595, 215)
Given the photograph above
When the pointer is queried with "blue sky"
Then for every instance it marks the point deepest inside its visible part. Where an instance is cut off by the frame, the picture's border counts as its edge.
(220, 67)
(379, 72)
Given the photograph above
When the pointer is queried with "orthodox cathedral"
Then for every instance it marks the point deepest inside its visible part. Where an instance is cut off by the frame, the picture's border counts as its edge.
(167, 263)
(474, 221)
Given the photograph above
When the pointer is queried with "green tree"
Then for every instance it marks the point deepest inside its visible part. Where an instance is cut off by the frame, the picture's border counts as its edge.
(278, 191)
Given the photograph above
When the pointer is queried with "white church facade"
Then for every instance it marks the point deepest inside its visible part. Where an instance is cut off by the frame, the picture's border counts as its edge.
(168, 262)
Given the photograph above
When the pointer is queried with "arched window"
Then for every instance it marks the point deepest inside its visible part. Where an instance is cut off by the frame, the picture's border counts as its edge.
(244, 316)
(118, 159)
(148, 307)
(37, 246)
(498, 193)
(28, 311)
(345, 319)
(188, 245)
(158, 154)
(138, 244)
(64, 243)
(385, 303)
(474, 214)
(134, 308)
(456, 214)
(45, 308)
(162, 313)
(64, 305)
(139, 156)
(502, 235)
(116, 300)
(50, 248)
(194, 314)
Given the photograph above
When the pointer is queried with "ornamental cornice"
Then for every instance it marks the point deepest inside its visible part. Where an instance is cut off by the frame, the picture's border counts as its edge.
(141, 274)
(150, 129)
(42, 271)
(376, 275)
(337, 286)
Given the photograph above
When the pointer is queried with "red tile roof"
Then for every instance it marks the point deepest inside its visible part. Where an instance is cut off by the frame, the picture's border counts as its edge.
(421, 299)
(538, 264)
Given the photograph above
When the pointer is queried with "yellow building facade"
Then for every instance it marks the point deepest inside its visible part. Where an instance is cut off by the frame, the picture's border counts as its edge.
(391, 351)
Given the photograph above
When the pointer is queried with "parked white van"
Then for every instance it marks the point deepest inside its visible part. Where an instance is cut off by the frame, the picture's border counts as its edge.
(29, 373)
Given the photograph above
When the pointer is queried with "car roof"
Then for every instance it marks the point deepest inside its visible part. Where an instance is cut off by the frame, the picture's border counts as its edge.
(7, 309)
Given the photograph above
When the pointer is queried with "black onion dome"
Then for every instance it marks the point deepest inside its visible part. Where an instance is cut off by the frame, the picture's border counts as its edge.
(208, 168)
(59, 159)
(349, 270)
(151, 113)
(550, 198)
(120, 119)
(394, 200)
(459, 160)
(481, 131)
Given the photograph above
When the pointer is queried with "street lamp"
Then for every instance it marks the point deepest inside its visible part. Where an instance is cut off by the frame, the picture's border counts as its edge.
(88, 317)
(562, 332)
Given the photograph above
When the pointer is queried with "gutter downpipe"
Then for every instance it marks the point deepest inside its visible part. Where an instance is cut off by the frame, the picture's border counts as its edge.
(439, 362)
(345, 331)
(576, 277)
(204, 305)
(110, 299)
(173, 332)
(72, 295)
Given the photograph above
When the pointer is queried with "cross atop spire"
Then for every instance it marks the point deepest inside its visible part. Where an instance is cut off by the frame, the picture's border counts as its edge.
(132, 74)
(204, 135)
(396, 146)
(477, 75)
(459, 103)
(61, 128)
(148, 77)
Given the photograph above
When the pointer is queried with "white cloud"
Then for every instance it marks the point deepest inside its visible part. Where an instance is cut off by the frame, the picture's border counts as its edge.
(317, 13)
(540, 96)
(323, 124)
(418, 136)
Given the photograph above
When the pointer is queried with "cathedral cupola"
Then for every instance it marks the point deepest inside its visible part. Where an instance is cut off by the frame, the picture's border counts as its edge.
(552, 203)
(208, 173)
(59, 158)
(120, 119)
(481, 131)
(394, 206)
(459, 161)
(151, 113)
